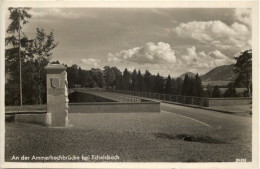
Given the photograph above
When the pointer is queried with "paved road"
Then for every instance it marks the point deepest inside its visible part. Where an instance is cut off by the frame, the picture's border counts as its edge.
(211, 118)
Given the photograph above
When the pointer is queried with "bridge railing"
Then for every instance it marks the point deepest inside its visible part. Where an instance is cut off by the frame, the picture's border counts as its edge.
(111, 95)
(200, 101)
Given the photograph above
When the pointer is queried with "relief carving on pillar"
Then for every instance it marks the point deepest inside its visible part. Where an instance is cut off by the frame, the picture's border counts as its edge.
(55, 82)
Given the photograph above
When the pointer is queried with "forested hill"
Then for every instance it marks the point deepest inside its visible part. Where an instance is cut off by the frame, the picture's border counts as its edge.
(221, 73)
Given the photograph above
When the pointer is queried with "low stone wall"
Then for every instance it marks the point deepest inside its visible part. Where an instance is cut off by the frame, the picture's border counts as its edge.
(114, 107)
(229, 101)
(40, 119)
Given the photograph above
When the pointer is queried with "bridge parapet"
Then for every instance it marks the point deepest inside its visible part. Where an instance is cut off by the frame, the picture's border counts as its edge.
(109, 95)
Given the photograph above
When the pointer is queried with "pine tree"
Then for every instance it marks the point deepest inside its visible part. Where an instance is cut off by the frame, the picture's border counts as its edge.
(158, 84)
(15, 55)
(126, 80)
(140, 82)
(180, 85)
(174, 85)
(185, 86)
(216, 92)
(148, 81)
(197, 86)
(134, 84)
(168, 85)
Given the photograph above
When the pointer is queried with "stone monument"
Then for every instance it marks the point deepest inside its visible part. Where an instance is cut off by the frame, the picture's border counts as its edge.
(57, 95)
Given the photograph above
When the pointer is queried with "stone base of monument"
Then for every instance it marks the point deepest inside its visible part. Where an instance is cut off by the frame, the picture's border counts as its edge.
(40, 119)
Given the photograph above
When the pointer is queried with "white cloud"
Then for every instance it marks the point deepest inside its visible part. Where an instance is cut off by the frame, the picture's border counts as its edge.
(90, 63)
(203, 60)
(216, 33)
(243, 15)
(150, 53)
(57, 12)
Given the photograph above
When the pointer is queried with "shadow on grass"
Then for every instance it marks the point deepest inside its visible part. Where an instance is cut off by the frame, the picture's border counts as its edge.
(190, 138)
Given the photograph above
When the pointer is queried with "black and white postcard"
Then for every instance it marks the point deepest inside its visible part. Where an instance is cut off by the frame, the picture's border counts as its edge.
(129, 84)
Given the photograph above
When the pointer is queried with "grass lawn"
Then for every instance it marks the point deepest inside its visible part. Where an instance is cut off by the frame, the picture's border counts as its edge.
(134, 137)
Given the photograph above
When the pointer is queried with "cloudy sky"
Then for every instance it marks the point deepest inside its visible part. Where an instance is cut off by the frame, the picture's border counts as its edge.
(167, 40)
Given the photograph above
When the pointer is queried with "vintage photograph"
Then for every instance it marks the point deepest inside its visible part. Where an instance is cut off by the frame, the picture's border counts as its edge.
(117, 84)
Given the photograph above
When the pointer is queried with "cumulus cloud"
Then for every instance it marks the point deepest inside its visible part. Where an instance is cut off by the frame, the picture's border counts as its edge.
(90, 62)
(216, 33)
(150, 53)
(243, 15)
(203, 60)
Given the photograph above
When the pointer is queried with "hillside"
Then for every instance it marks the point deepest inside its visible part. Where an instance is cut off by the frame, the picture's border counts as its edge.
(221, 73)
(190, 74)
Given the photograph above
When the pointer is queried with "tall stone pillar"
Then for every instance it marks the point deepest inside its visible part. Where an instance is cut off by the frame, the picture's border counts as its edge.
(57, 95)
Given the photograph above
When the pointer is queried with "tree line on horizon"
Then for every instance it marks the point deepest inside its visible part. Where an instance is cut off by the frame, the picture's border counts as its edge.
(113, 78)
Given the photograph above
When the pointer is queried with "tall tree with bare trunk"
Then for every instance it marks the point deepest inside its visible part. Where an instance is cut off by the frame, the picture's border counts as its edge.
(18, 17)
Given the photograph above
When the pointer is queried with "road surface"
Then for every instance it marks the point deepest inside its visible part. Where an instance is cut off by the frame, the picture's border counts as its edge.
(211, 118)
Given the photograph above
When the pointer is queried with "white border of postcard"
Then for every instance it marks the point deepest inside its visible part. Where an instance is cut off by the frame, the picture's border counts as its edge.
(141, 4)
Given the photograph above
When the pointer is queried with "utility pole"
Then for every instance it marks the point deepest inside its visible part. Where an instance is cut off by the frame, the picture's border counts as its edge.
(20, 59)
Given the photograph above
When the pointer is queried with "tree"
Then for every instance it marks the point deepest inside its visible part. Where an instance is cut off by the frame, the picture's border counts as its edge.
(185, 86)
(118, 75)
(231, 91)
(209, 91)
(148, 81)
(86, 78)
(18, 17)
(55, 62)
(174, 86)
(112, 76)
(12, 70)
(179, 88)
(73, 75)
(80, 78)
(134, 84)
(98, 77)
(40, 50)
(191, 84)
(158, 84)
(243, 67)
(168, 85)
(197, 91)
(216, 92)
(109, 76)
(140, 82)
(126, 80)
